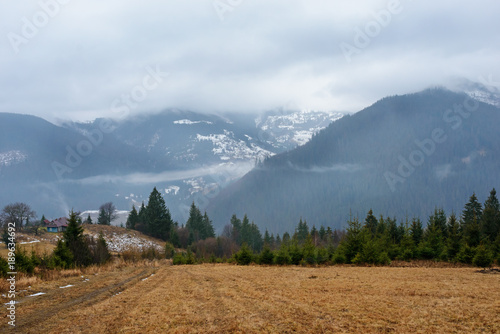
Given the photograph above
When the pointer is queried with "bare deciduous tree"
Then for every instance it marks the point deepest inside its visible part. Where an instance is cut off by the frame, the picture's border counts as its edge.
(107, 213)
(18, 213)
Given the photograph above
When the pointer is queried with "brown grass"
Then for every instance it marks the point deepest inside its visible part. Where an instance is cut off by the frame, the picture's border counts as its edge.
(258, 299)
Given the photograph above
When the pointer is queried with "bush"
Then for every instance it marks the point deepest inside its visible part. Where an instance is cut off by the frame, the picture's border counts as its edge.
(339, 257)
(23, 262)
(244, 256)
(295, 254)
(169, 250)
(266, 256)
(407, 255)
(466, 254)
(322, 255)
(282, 257)
(4, 267)
(483, 257)
(178, 259)
(384, 258)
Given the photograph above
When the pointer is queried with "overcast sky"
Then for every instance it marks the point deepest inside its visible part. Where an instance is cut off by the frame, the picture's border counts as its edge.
(77, 59)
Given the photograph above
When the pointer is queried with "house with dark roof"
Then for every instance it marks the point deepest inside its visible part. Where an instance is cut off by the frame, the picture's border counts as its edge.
(58, 225)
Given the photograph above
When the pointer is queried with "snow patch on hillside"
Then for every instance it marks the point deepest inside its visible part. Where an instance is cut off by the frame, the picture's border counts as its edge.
(229, 148)
(12, 158)
(121, 242)
(189, 122)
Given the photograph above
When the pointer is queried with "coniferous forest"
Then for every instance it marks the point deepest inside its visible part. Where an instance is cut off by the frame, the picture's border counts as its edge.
(468, 237)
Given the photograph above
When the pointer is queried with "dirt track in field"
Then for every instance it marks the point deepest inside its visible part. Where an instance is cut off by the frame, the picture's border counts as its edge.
(254, 299)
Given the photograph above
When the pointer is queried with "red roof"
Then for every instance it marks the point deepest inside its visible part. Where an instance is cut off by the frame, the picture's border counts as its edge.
(63, 221)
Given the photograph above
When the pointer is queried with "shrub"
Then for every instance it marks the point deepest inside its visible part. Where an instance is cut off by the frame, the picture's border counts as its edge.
(339, 256)
(4, 267)
(23, 262)
(178, 259)
(295, 254)
(483, 257)
(266, 256)
(322, 255)
(466, 254)
(244, 256)
(282, 257)
(169, 250)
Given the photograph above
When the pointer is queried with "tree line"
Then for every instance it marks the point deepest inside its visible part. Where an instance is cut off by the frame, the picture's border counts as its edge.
(473, 237)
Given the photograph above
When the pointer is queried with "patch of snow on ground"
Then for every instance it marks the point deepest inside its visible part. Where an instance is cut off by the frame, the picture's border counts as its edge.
(29, 242)
(37, 294)
(122, 242)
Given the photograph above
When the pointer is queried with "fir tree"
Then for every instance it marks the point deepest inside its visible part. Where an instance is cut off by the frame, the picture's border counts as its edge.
(102, 254)
(371, 223)
(416, 231)
(490, 225)
(438, 219)
(483, 257)
(208, 228)
(158, 217)
(454, 237)
(236, 229)
(88, 220)
(472, 213)
(302, 231)
(133, 218)
(74, 239)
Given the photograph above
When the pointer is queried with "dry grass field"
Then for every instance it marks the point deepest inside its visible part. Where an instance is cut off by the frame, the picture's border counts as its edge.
(160, 298)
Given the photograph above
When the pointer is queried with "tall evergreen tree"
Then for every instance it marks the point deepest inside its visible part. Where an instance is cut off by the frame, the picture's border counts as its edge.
(88, 220)
(158, 217)
(195, 224)
(208, 228)
(454, 237)
(236, 229)
(133, 218)
(490, 225)
(302, 231)
(472, 211)
(371, 223)
(75, 241)
(438, 219)
(416, 231)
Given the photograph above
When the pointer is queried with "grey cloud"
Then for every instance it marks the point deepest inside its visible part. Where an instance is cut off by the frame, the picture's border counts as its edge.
(263, 55)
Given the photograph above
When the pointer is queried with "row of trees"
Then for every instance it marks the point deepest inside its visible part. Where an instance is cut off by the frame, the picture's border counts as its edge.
(471, 238)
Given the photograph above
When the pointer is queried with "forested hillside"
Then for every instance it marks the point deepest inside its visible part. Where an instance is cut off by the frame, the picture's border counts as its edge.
(403, 156)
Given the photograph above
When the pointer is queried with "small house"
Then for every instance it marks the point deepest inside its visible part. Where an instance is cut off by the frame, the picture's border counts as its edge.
(58, 225)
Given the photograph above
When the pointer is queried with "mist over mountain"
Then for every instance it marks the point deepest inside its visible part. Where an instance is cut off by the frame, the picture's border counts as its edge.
(402, 156)
(185, 154)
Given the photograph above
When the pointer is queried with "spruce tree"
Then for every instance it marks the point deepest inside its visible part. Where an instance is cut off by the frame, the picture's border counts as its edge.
(416, 231)
(483, 257)
(438, 219)
(371, 223)
(208, 228)
(195, 224)
(454, 237)
(133, 218)
(236, 229)
(102, 219)
(472, 213)
(74, 239)
(159, 221)
(490, 225)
